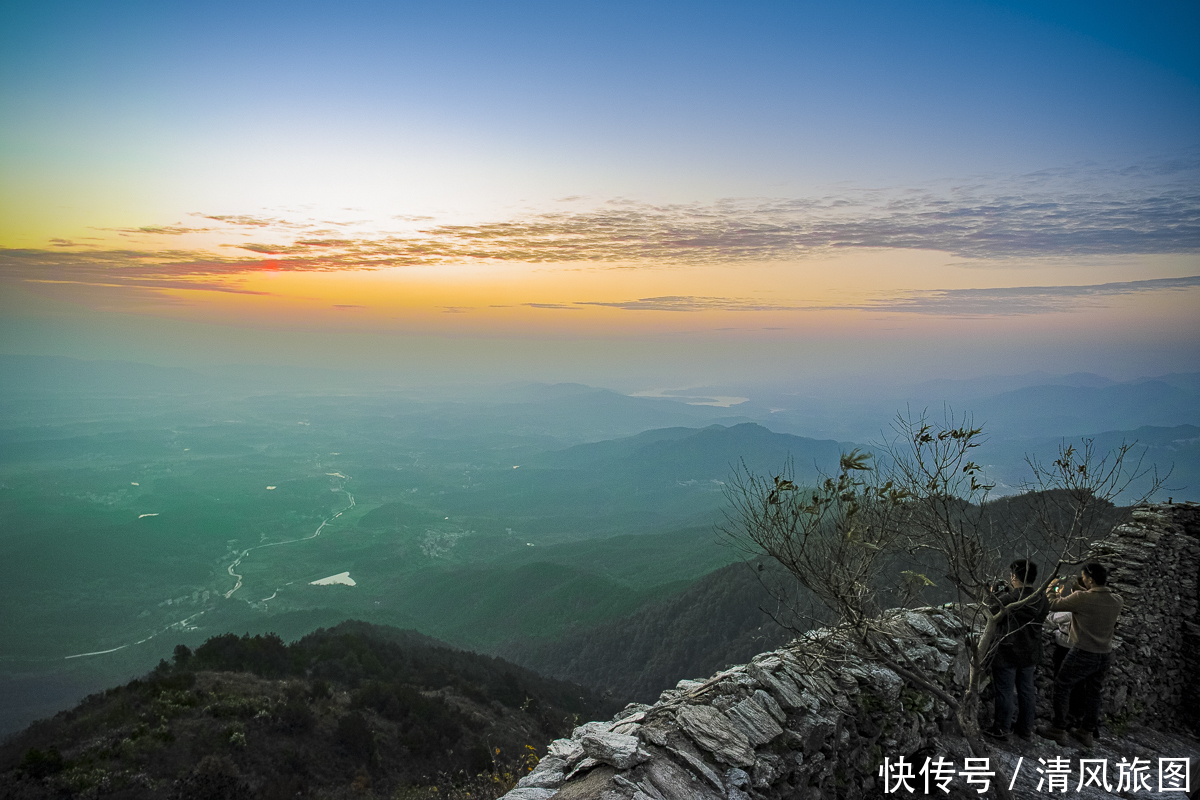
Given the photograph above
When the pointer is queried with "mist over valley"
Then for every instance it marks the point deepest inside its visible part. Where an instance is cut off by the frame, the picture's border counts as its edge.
(147, 507)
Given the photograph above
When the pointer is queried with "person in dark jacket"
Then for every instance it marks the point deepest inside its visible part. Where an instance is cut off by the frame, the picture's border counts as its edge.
(1018, 651)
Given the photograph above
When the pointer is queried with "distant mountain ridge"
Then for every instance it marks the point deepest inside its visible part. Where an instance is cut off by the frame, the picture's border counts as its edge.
(711, 453)
(1167, 450)
(1073, 411)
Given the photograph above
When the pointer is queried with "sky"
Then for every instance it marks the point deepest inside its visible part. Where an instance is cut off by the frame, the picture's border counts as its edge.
(636, 194)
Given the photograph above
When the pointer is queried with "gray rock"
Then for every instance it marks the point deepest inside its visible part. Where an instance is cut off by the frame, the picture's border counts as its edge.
(766, 701)
(714, 732)
(781, 687)
(817, 685)
(590, 727)
(595, 785)
(629, 711)
(847, 683)
(813, 730)
(622, 782)
(947, 645)
(550, 773)
(737, 778)
(922, 654)
(646, 791)
(614, 749)
(810, 701)
(724, 702)
(767, 661)
(760, 726)
(693, 759)
(655, 732)
(673, 782)
(569, 750)
(586, 765)
(921, 624)
(529, 794)
(743, 679)
(883, 681)
(768, 767)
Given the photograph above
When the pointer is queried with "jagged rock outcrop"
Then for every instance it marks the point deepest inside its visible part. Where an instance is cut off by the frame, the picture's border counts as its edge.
(815, 718)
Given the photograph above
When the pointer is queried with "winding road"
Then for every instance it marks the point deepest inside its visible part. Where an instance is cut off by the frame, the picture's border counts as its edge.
(313, 535)
(182, 624)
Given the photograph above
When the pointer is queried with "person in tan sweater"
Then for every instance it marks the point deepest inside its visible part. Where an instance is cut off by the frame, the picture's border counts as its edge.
(1094, 611)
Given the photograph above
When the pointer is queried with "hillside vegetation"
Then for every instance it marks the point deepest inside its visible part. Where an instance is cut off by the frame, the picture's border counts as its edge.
(344, 710)
(715, 622)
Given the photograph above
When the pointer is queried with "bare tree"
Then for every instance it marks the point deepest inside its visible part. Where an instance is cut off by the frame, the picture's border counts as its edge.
(1073, 495)
(923, 504)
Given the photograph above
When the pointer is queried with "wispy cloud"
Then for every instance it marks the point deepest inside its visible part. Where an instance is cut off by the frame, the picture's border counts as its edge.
(677, 303)
(970, 223)
(1020, 300)
(158, 230)
(152, 284)
(131, 269)
(1152, 208)
(954, 302)
(246, 220)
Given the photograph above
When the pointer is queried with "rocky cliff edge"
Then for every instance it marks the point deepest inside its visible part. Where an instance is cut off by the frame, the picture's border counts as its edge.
(816, 719)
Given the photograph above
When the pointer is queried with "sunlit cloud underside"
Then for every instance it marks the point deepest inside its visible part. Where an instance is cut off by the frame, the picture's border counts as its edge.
(1061, 216)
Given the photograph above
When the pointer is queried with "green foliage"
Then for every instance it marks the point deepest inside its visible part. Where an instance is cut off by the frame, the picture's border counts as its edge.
(359, 707)
(40, 764)
(262, 655)
(870, 702)
(183, 654)
(237, 707)
(355, 736)
(296, 718)
(715, 622)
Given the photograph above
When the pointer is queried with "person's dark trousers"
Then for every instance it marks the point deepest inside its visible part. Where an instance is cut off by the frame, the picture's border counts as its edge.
(1016, 695)
(1075, 707)
(1060, 653)
(1087, 670)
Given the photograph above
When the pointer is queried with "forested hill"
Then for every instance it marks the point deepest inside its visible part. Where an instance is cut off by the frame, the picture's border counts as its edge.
(729, 615)
(355, 705)
(716, 622)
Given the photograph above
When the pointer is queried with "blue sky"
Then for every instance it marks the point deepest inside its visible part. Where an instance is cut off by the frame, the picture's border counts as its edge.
(683, 100)
(1053, 145)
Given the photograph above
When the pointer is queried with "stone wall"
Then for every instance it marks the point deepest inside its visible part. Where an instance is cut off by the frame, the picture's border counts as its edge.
(1155, 565)
(814, 719)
